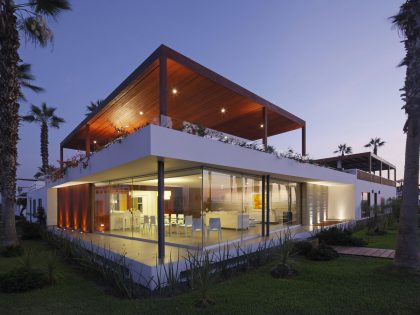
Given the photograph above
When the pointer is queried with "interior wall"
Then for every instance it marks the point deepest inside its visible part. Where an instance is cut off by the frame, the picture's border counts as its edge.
(341, 203)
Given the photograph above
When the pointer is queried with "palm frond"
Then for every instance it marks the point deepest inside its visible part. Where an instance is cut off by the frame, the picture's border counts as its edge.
(36, 30)
(25, 77)
(49, 7)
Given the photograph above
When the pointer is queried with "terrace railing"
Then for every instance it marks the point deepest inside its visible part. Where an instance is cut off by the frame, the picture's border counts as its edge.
(374, 178)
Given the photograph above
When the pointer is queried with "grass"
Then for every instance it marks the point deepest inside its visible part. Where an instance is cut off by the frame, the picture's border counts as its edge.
(387, 241)
(348, 285)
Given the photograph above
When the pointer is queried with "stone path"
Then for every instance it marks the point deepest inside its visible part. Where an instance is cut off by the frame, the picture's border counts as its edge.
(365, 251)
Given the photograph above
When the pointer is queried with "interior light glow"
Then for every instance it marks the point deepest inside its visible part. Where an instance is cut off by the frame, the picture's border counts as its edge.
(223, 110)
(174, 91)
(167, 195)
(94, 141)
(262, 126)
(141, 113)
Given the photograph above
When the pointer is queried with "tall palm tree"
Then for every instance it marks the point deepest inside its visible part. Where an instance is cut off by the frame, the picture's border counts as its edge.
(408, 23)
(343, 149)
(93, 107)
(45, 116)
(27, 18)
(375, 143)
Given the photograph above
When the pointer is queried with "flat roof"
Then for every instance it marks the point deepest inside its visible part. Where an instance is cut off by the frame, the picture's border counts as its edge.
(358, 161)
(201, 94)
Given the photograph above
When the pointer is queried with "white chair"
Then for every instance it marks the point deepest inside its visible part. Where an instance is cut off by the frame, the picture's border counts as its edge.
(153, 223)
(145, 223)
(214, 225)
(168, 223)
(188, 219)
(197, 225)
(127, 221)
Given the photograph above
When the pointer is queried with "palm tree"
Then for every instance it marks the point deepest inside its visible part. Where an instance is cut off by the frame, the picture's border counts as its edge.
(408, 23)
(93, 107)
(375, 143)
(343, 149)
(45, 116)
(30, 19)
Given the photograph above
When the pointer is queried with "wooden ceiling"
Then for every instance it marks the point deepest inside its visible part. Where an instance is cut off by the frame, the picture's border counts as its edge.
(201, 94)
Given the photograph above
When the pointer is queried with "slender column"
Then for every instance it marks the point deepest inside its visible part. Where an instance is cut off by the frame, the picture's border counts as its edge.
(380, 173)
(61, 157)
(389, 171)
(395, 174)
(267, 230)
(265, 126)
(161, 209)
(304, 140)
(163, 85)
(87, 140)
(263, 206)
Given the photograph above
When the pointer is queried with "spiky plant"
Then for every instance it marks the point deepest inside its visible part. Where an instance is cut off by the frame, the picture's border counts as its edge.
(28, 19)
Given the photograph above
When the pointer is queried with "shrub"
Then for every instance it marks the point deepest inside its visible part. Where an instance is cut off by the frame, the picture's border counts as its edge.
(22, 279)
(343, 237)
(323, 252)
(302, 247)
(30, 231)
(11, 251)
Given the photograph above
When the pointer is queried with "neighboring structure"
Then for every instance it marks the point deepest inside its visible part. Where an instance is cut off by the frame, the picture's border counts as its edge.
(177, 154)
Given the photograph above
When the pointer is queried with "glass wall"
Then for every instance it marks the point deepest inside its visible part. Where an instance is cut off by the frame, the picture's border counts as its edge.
(128, 207)
(232, 206)
(284, 203)
(202, 207)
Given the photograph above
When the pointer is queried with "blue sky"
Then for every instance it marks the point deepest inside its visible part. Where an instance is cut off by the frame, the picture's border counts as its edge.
(332, 63)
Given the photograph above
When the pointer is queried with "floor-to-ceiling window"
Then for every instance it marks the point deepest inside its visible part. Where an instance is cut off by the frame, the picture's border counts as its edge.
(201, 206)
(128, 207)
(232, 206)
(284, 203)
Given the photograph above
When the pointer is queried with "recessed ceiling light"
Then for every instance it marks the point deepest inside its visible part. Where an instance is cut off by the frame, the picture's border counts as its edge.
(223, 110)
(141, 113)
(262, 126)
(174, 91)
(94, 141)
(126, 126)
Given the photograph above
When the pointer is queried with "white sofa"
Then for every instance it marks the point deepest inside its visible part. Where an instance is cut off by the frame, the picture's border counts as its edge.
(229, 219)
(255, 214)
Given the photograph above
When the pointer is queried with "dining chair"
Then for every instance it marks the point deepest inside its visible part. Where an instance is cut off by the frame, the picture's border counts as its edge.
(188, 219)
(197, 225)
(145, 223)
(153, 224)
(214, 225)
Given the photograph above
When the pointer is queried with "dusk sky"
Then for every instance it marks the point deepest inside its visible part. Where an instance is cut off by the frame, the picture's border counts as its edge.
(332, 63)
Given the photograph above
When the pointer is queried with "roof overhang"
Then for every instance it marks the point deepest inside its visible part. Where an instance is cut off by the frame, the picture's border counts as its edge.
(359, 161)
(201, 94)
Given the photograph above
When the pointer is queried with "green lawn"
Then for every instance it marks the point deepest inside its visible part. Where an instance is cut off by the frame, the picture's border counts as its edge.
(348, 285)
(388, 240)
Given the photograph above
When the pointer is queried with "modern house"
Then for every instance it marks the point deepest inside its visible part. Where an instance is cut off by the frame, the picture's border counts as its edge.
(179, 155)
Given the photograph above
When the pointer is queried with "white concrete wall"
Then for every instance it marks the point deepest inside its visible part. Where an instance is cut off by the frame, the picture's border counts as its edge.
(341, 203)
(383, 191)
(137, 154)
(36, 194)
(51, 207)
